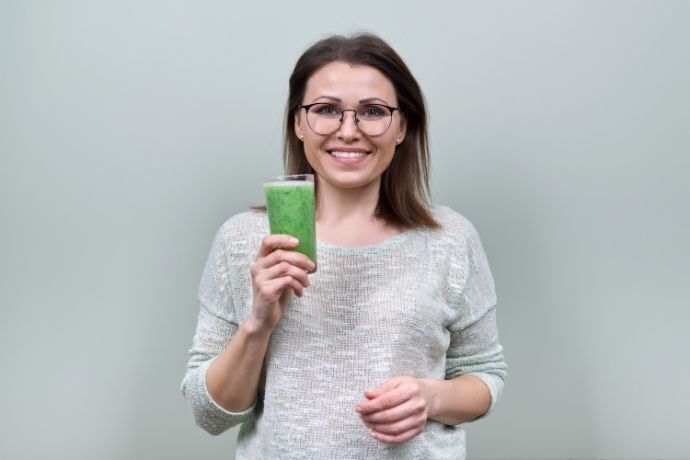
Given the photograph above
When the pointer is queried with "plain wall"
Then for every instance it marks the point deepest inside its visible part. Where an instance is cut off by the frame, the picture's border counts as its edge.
(130, 130)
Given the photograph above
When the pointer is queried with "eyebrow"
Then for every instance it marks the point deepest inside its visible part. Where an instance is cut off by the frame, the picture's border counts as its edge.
(369, 100)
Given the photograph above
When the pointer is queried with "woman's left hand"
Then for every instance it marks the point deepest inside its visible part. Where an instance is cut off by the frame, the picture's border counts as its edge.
(396, 411)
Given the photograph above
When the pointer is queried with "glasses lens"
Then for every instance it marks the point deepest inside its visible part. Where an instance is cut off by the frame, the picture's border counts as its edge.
(324, 119)
(372, 120)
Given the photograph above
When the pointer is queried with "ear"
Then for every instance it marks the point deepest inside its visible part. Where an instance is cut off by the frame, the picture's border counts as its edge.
(402, 130)
(299, 123)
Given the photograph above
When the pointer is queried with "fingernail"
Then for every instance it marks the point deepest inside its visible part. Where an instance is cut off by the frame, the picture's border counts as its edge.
(293, 240)
(312, 265)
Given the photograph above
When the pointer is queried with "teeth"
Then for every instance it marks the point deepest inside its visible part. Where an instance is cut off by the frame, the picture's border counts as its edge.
(347, 154)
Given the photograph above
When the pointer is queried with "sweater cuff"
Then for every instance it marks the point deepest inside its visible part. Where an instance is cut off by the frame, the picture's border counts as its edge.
(495, 385)
(208, 414)
(221, 411)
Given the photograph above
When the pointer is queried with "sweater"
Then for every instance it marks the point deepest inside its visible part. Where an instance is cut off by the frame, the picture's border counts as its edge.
(421, 303)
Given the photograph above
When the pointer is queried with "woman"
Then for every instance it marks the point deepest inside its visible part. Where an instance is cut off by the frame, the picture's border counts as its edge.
(392, 343)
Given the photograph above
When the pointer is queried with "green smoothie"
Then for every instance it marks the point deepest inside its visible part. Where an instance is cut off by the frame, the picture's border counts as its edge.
(290, 206)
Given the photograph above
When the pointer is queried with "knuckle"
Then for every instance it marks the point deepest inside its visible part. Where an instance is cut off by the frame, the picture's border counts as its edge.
(283, 267)
(265, 291)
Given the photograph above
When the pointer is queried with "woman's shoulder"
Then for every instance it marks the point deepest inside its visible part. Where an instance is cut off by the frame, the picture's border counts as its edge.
(456, 230)
(452, 221)
(240, 235)
(245, 224)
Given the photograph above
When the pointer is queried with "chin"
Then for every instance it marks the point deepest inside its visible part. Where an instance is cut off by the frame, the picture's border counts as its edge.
(351, 183)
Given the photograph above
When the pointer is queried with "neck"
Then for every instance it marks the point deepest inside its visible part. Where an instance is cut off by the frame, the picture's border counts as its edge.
(337, 205)
(347, 218)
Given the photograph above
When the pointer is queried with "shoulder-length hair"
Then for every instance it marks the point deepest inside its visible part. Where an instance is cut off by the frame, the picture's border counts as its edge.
(404, 193)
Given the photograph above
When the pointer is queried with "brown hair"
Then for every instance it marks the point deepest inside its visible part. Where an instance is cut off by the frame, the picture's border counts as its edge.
(404, 193)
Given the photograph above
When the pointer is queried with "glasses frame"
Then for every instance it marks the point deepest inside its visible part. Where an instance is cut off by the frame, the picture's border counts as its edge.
(306, 108)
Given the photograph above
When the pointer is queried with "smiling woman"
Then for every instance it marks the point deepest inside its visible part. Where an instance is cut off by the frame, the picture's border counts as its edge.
(346, 157)
(392, 343)
(404, 184)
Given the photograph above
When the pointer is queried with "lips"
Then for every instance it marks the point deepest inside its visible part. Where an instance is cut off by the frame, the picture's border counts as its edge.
(348, 152)
(344, 154)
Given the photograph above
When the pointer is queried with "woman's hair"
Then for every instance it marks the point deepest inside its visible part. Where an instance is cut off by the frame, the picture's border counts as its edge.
(404, 194)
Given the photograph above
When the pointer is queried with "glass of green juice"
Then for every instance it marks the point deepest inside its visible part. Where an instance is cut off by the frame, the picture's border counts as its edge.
(290, 203)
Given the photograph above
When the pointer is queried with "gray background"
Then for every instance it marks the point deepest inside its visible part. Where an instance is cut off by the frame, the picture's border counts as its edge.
(130, 130)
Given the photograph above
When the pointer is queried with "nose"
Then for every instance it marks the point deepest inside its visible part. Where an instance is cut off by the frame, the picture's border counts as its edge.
(348, 129)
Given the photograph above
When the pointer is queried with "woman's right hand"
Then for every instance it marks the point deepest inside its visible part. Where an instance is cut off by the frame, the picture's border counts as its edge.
(275, 273)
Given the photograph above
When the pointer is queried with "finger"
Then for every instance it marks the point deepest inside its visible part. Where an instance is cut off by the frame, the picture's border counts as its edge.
(388, 385)
(399, 438)
(272, 290)
(283, 269)
(411, 408)
(274, 266)
(272, 242)
(405, 424)
(294, 286)
(280, 255)
(383, 402)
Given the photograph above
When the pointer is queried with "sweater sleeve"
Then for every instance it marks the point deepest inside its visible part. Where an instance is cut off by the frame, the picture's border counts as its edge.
(474, 346)
(216, 325)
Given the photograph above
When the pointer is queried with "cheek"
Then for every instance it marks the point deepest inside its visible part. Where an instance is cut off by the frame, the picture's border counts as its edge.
(387, 147)
(312, 153)
(385, 157)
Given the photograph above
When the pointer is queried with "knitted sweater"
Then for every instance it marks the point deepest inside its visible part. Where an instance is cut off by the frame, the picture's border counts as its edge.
(420, 304)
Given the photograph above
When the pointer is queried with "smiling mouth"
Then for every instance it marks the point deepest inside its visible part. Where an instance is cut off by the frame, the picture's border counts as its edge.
(339, 154)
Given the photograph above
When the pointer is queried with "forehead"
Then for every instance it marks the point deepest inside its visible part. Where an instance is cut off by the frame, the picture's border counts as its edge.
(350, 83)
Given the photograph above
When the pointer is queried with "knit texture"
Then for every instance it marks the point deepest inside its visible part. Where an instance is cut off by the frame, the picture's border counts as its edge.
(421, 304)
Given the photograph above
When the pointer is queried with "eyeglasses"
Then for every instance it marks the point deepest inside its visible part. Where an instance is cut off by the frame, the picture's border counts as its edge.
(371, 119)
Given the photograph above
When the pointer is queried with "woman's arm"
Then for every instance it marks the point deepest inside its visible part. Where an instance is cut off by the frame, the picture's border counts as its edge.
(223, 375)
(475, 368)
(233, 377)
(457, 400)
(398, 410)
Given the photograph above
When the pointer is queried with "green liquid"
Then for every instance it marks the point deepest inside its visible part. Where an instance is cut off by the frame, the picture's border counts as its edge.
(291, 212)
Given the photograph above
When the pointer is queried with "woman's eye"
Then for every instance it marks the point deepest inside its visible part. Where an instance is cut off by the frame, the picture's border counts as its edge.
(372, 111)
(327, 110)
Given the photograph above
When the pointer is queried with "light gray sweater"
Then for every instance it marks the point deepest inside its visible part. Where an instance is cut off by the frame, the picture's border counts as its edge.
(421, 303)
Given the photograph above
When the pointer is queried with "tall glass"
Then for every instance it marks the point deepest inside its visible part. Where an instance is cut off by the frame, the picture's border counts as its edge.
(291, 206)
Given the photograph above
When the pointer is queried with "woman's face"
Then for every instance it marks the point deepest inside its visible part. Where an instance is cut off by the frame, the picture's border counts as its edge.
(348, 158)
